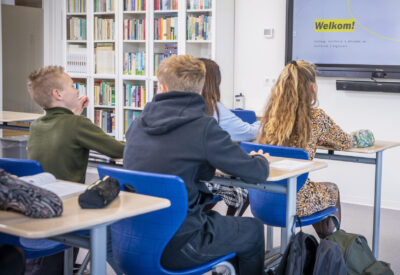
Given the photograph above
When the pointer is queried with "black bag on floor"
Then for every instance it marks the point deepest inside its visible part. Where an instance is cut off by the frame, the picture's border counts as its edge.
(358, 256)
(299, 256)
(329, 259)
(304, 256)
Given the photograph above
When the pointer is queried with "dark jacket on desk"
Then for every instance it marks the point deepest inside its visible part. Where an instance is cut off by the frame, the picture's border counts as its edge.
(174, 136)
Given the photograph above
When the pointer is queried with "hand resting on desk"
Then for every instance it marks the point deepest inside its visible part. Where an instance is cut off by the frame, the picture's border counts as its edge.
(261, 153)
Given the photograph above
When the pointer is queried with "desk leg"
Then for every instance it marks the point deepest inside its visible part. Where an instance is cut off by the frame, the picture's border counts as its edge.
(68, 260)
(377, 204)
(270, 238)
(98, 250)
(290, 212)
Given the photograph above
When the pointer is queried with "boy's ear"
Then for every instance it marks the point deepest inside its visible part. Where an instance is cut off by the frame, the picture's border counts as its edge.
(162, 88)
(56, 95)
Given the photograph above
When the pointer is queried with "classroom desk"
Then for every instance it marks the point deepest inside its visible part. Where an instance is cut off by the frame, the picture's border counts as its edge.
(377, 149)
(8, 116)
(289, 190)
(74, 218)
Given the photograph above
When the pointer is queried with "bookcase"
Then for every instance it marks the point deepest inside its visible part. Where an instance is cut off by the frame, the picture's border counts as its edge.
(112, 49)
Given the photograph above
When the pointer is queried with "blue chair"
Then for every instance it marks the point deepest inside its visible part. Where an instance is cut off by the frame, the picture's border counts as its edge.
(138, 242)
(246, 115)
(33, 248)
(270, 207)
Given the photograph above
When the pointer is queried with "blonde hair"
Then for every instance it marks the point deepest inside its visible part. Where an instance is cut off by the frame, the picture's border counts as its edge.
(182, 73)
(287, 118)
(41, 82)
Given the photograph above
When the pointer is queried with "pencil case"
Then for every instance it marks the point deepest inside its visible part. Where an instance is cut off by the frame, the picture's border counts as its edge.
(363, 138)
(99, 194)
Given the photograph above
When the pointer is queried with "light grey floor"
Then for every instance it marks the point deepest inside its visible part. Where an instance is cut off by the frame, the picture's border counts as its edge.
(355, 219)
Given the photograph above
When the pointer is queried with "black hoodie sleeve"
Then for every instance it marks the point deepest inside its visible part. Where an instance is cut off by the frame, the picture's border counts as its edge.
(228, 157)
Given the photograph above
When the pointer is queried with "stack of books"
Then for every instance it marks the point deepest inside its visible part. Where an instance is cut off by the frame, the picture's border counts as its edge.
(104, 28)
(134, 5)
(134, 63)
(134, 29)
(76, 59)
(170, 49)
(129, 117)
(105, 119)
(104, 5)
(76, 28)
(135, 95)
(76, 5)
(166, 28)
(198, 4)
(104, 58)
(165, 4)
(198, 27)
(104, 93)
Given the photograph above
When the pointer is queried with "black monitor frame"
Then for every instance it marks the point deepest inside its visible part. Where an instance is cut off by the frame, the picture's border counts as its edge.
(338, 70)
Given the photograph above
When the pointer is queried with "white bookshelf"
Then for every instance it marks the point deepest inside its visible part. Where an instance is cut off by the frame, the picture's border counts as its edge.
(218, 46)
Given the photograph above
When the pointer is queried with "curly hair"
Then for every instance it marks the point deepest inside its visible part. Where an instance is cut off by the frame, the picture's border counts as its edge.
(287, 118)
(211, 92)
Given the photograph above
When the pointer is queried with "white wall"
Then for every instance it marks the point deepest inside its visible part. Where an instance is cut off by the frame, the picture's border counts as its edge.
(257, 58)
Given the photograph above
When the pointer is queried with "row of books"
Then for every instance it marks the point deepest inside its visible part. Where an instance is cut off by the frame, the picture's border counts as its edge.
(198, 4)
(165, 4)
(170, 49)
(104, 5)
(135, 95)
(104, 28)
(76, 58)
(129, 117)
(81, 87)
(134, 29)
(134, 5)
(198, 27)
(104, 58)
(166, 28)
(76, 28)
(134, 63)
(104, 93)
(105, 119)
(76, 5)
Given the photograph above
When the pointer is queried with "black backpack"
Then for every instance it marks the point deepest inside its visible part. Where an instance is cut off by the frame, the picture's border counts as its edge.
(299, 256)
(358, 256)
(304, 256)
(329, 259)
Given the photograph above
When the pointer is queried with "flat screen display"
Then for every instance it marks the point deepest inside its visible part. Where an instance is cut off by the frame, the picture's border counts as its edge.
(346, 37)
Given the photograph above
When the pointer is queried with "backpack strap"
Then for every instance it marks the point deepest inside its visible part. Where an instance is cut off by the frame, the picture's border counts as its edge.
(294, 225)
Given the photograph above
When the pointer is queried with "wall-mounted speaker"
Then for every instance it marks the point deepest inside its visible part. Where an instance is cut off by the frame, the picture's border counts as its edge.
(373, 86)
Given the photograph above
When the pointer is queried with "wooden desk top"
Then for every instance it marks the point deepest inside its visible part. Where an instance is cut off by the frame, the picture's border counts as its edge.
(378, 146)
(75, 218)
(8, 116)
(278, 174)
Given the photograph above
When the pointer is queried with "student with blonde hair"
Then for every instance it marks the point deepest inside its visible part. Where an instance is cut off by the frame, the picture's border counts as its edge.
(61, 140)
(292, 119)
(174, 135)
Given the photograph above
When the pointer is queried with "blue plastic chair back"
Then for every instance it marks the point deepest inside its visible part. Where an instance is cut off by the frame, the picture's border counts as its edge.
(246, 115)
(138, 242)
(33, 248)
(270, 207)
(21, 167)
